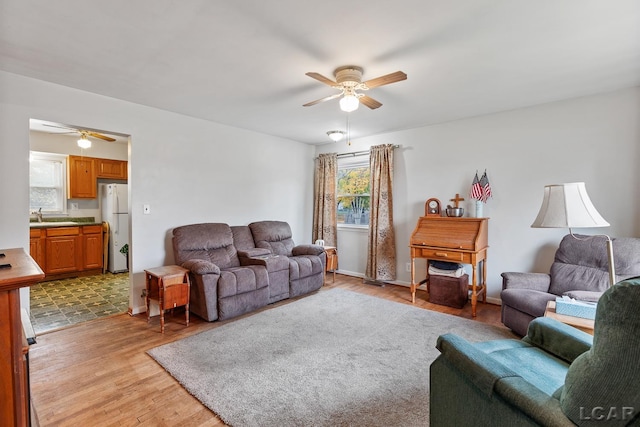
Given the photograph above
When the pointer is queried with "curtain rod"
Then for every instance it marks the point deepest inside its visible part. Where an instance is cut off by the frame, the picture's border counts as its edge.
(358, 153)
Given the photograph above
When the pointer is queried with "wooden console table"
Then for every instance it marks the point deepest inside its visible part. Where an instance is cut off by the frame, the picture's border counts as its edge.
(14, 387)
(461, 240)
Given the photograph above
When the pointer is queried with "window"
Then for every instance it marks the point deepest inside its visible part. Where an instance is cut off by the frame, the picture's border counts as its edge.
(47, 182)
(353, 192)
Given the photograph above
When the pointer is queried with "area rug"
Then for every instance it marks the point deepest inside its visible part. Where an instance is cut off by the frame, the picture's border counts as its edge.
(335, 358)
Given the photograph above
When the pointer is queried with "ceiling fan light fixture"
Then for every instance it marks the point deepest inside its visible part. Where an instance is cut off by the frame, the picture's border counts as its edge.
(335, 135)
(84, 142)
(349, 103)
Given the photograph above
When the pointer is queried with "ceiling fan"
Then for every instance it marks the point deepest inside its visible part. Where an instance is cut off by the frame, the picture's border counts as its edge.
(83, 132)
(348, 81)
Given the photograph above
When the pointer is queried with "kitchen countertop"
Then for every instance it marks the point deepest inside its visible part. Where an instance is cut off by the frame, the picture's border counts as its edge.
(63, 222)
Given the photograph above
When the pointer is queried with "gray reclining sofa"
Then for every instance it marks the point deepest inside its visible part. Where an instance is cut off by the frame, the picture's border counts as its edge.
(238, 269)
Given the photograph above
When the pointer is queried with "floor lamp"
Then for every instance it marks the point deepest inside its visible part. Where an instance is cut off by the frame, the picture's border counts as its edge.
(569, 206)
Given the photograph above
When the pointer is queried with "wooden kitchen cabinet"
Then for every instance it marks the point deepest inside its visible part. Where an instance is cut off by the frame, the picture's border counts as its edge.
(63, 250)
(92, 246)
(82, 177)
(112, 169)
(36, 246)
(83, 174)
(67, 251)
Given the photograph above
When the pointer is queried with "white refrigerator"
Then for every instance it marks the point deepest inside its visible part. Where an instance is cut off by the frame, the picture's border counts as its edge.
(114, 200)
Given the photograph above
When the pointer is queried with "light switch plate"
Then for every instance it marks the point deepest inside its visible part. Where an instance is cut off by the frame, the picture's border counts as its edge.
(146, 209)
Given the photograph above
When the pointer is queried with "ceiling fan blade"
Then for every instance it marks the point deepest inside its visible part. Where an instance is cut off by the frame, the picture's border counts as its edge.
(100, 136)
(318, 101)
(369, 102)
(385, 80)
(322, 79)
(60, 127)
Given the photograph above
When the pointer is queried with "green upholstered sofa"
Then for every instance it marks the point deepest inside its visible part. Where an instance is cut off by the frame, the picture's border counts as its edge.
(555, 376)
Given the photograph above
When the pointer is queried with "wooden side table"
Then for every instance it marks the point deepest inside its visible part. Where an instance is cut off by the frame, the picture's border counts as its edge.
(170, 286)
(332, 260)
(585, 325)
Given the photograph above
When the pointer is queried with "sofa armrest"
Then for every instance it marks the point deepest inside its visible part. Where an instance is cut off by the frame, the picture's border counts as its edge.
(480, 369)
(270, 262)
(307, 250)
(252, 252)
(534, 281)
(543, 409)
(201, 266)
(557, 338)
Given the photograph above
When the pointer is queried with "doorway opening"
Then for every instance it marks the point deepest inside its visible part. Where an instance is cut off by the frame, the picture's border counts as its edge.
(73, 173)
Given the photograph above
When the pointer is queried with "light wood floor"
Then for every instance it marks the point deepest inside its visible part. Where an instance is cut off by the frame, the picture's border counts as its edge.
(97, 373)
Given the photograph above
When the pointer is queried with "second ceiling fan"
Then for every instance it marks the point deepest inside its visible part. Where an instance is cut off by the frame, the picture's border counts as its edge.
(348, 82)
(83, 132)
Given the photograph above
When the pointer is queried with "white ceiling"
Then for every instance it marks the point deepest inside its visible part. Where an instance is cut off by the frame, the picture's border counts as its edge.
(243, 63)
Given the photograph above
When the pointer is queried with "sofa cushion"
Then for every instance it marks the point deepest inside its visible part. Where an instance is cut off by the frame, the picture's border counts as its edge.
(304, 266)
(208, 241)
(580, 263)
(242, 237)
(536, 366)
(589, 296)
(273, 235)
(527, 300)
(240, 280)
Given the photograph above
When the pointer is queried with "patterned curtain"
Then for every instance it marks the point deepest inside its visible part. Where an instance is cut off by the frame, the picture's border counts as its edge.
(324, 204)
(381, 254)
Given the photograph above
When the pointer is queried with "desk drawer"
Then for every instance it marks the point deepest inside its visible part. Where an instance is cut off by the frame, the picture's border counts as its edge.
(445, 255)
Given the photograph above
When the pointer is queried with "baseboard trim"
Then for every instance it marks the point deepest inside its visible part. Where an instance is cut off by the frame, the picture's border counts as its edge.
(490, 300)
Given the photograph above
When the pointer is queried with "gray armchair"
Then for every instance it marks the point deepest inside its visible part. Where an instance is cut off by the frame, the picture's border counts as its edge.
(306, 262)
(555, 376)
(580, 270)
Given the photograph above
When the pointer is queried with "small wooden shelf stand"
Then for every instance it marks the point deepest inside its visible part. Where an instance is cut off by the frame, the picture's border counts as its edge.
(170, 286)
(332, 260)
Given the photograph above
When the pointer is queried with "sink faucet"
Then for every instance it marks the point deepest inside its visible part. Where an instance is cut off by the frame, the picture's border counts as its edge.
(39, 215)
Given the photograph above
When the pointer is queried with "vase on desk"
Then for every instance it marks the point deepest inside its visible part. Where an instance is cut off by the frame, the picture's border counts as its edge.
(478, 210)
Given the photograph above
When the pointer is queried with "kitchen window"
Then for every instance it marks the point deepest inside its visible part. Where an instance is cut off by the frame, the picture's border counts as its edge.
(353, 192)
(47, 182)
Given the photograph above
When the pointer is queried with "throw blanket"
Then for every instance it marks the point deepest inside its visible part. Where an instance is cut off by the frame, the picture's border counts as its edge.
(450, 273)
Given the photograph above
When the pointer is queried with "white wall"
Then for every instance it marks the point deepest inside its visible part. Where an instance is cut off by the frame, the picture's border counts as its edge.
(592, 139)
(188, 170)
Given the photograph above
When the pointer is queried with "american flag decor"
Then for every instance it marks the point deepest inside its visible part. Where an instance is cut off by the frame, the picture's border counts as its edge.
(476, 189)
(486, 187)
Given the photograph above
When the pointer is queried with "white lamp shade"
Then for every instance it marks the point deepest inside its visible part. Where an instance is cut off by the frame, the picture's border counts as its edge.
(349, 103)
(84, 143)
(568, 206)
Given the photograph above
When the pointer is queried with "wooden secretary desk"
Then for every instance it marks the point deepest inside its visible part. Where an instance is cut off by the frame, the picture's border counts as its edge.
(461, 240)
